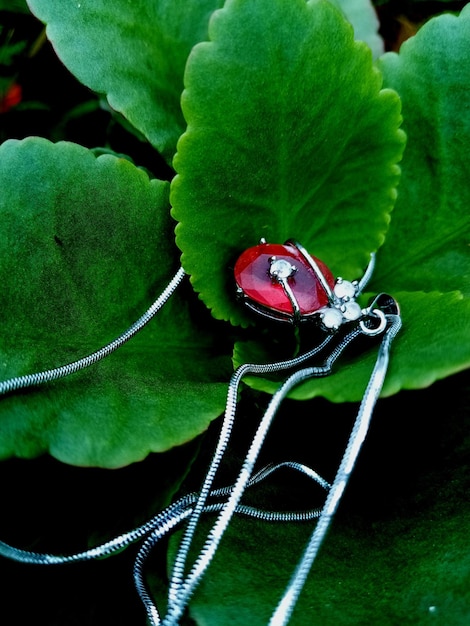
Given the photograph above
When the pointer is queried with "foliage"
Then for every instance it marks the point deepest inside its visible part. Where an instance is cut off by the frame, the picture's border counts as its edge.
(245, 103)
(262, 119)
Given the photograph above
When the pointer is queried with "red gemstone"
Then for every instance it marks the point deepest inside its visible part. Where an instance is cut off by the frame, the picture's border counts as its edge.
(252, 274)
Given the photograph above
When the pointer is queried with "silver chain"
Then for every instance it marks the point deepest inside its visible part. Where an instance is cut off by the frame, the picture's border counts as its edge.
(182, 590)
(248, 511)
(189, 508)
(224, 437)
(281, 615)
(39, 378)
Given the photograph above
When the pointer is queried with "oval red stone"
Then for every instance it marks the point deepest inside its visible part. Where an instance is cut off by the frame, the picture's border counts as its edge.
(252, 275)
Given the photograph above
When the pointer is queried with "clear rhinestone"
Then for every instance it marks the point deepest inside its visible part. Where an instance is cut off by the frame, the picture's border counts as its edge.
(344, 289)
(351, 311)
(280, 268)
(331, 317)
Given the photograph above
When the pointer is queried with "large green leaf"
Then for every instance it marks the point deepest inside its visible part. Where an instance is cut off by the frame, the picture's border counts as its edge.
(427, 246)
(420, 355)
(397, 551)
(363, 17)
(85, 245)
(411, 572)
(133, 52)
(425, 260)
(19, 6)
(289, 135)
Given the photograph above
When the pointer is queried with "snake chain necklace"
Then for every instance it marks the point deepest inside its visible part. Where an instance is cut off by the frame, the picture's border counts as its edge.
(280, 282)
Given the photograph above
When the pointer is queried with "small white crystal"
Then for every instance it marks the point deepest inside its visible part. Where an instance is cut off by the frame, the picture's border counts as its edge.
(331, 317)
(280, 268)
(351, 310)
(344, 289)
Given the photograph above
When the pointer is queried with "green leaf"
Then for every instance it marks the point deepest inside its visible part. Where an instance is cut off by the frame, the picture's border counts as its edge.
(425, 259)
(396, 552)
(363, 17)
(289, 135)
(85, 247)
(409, 571)
(427, 245)
(15, 6)
(132, 52)
(416, 361)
